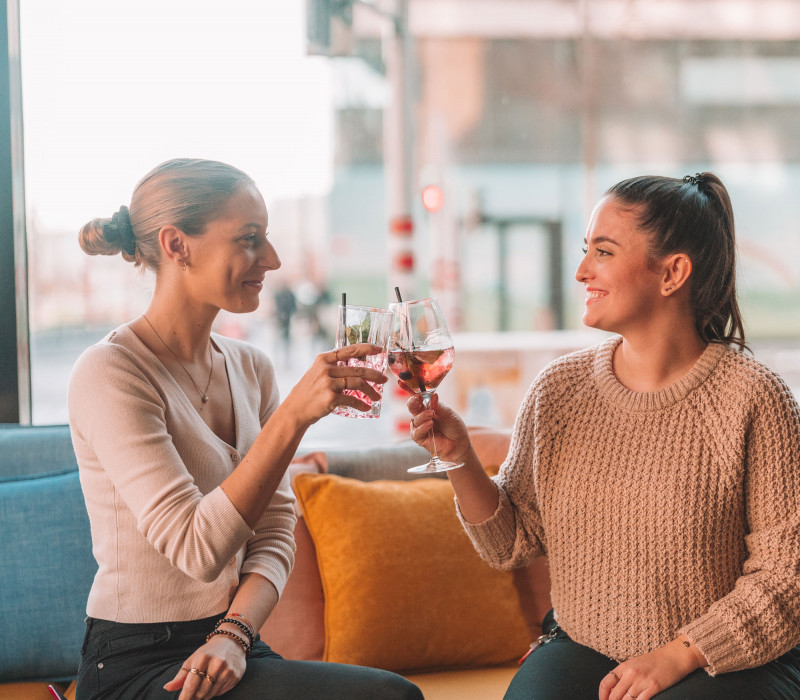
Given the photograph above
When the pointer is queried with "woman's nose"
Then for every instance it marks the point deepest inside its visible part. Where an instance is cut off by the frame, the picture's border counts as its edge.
(269, 257)
(582, 273)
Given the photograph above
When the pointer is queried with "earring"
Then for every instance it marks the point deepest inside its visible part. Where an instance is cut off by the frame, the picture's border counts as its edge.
(669, 289)
(183, 262)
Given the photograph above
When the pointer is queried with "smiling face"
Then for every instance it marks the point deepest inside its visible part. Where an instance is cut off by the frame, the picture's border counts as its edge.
(623, 290)
(228, 261)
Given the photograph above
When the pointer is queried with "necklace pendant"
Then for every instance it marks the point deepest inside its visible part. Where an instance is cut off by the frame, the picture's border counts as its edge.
(204, 399)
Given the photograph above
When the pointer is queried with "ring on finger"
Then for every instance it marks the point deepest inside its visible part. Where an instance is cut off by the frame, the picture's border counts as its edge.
(616, 677)
(628, 695)
(211, 678)
(197, 672)
(336, 354)
(344, 383)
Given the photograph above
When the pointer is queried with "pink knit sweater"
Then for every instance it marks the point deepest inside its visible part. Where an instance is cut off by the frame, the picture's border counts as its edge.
(169, 543)
(660, 513)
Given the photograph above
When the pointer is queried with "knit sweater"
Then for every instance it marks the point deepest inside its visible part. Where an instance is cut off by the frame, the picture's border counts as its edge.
(661, 513)
(169, 543)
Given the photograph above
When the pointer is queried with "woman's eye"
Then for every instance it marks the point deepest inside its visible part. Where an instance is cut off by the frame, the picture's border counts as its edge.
(251, 239)
(600, 251)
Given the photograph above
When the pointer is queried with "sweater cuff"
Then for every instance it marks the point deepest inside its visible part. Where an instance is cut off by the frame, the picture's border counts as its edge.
(717, 643)
(494, 537)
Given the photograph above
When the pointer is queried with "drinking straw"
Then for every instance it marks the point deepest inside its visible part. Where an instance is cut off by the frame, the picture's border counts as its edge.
(344, 315)
(397, 294)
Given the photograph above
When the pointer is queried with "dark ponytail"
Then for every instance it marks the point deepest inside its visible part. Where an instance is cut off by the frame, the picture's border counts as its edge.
(693, 216)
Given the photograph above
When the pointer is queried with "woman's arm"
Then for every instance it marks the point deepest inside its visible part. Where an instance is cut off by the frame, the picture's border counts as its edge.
(222, 658)
(475, 491)
(253, 483)
(760, 618)
(499, 514)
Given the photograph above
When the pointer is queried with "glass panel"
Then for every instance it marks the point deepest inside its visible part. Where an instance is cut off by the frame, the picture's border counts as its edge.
(521, 111)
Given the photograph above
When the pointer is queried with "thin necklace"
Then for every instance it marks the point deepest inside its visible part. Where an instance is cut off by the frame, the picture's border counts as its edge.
(203, 394)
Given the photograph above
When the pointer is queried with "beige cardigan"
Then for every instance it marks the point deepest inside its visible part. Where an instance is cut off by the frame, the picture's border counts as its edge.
(661, 513)
(169, 543)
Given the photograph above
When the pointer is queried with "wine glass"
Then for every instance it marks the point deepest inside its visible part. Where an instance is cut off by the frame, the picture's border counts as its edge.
(420, 355)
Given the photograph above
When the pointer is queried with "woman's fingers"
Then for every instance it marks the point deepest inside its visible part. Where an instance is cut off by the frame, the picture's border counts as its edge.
(356, 350)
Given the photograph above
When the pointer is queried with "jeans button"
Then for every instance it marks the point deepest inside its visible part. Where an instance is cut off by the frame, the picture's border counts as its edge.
(100, 665)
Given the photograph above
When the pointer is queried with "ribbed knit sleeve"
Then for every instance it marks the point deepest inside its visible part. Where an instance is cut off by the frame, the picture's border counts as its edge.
(270, 551)
(760, 618)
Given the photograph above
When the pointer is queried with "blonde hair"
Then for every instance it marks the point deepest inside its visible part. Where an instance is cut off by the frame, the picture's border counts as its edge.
(183, 192)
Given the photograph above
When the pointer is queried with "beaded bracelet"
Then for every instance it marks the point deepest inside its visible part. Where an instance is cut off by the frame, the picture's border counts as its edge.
(241, 625)
(249, 624)
(232, 635)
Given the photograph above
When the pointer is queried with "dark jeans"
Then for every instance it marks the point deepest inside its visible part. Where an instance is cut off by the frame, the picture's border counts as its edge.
(134, 661)
(565, 670)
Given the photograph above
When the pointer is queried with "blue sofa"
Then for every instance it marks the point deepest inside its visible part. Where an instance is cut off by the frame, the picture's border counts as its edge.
(47, 567)
(46, 562)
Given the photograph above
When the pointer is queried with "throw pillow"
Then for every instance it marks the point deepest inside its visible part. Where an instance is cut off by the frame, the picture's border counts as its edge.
(404, 588)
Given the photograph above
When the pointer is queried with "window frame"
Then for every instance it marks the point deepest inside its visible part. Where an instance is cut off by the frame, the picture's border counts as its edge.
(15, 378)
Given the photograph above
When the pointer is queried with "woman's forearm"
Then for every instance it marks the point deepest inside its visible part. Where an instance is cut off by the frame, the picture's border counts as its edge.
(475, 491)
(254, 482)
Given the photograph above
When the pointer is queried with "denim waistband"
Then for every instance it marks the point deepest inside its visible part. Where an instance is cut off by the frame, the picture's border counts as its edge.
(95, 626)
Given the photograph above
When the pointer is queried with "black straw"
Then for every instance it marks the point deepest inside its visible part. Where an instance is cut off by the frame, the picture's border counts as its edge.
(397, 294)
(344, 299)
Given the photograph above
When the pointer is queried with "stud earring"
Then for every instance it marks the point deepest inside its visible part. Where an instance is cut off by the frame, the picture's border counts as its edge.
(669, 289)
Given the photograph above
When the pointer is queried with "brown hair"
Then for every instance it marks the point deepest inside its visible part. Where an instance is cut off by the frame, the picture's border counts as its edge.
(694, 216)
(183, 192)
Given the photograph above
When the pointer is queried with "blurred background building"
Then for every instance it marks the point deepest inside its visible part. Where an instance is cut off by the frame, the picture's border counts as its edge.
(511, 117)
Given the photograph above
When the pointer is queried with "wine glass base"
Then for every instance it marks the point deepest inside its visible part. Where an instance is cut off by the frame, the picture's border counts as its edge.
(433, 467)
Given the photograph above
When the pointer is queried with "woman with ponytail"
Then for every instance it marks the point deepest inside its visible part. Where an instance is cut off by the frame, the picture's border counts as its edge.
(182, 445)
(658, 471)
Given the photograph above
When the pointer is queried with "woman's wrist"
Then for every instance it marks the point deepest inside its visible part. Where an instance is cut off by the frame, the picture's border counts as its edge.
(689, 652)
(240, 641)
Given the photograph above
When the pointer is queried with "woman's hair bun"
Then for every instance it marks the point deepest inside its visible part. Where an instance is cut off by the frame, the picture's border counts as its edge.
(120, 232)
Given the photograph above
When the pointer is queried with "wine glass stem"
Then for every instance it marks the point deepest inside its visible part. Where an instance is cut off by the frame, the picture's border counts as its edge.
(426, 401)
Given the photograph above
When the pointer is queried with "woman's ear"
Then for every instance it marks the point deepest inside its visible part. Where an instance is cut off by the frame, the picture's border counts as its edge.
(173, 245)
(677, 269)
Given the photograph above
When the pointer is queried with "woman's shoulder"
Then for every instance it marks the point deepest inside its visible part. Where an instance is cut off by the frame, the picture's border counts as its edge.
(118, 348)
(744, 375)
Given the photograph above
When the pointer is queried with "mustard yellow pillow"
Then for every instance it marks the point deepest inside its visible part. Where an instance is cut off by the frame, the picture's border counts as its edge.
(404, 588)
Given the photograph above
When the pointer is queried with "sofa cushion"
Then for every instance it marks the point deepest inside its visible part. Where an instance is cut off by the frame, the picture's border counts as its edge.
(46, 570)
(404, 588)
(26, 451)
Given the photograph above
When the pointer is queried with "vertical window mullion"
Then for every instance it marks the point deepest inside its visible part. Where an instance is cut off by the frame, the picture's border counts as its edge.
(15, 383)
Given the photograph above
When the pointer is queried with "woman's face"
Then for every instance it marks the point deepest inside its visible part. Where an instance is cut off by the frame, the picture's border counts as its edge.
(228, 261)
(622, 289)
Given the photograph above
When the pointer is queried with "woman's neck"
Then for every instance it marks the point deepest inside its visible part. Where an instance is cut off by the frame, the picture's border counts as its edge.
(653, 363)
(180, 327)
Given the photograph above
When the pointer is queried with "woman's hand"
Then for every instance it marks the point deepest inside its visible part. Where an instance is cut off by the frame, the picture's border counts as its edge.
(644, 676)
(212, 670)
(321, 388)
(450, 433)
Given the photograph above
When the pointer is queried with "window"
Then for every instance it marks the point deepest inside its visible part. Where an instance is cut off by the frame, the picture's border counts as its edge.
(523, 112)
